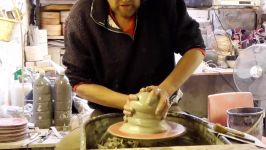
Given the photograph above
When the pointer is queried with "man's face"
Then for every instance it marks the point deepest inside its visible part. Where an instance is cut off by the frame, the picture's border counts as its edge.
(124, 8)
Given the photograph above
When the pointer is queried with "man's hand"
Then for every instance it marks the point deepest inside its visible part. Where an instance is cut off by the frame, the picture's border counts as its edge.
(128, 111)
(164, 104)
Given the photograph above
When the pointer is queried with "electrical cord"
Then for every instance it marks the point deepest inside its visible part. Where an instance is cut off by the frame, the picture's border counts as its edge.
(210, 63)
(216, 69)
(228, 83)
(219, 20)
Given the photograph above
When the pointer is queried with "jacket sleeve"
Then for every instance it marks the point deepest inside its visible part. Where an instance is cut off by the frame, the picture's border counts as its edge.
(188, 34)
(77, 58)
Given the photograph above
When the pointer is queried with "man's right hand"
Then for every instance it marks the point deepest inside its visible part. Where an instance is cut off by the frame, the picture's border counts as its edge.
(128, 111)
(164, 104)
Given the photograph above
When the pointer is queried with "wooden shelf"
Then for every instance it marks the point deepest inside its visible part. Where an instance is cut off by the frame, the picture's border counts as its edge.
(215, 71)
(60, 37)
(47, 2)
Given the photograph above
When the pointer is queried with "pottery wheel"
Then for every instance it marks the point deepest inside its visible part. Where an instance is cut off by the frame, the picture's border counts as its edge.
(144, 124)
(174, 130)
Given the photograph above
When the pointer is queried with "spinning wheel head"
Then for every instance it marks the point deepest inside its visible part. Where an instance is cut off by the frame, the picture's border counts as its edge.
(174, 130)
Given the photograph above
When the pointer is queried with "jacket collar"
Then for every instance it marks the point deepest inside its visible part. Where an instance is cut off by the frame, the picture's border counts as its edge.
(99, 11)
(100, 15)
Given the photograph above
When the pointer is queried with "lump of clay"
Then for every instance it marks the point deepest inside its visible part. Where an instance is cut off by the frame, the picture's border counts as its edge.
(144, 120)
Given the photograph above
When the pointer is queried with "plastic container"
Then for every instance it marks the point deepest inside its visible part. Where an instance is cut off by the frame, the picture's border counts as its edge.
(199, 3)
(63, 100)
(42, 102)
(19, 90)
(231, 60)
(36, 53)
(6, 29)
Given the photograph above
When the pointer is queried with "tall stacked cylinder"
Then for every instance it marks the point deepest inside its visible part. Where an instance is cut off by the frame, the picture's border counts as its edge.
(63, 101)
(42, 102)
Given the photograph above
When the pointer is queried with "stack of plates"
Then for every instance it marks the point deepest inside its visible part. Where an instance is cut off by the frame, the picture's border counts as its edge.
(13, 129)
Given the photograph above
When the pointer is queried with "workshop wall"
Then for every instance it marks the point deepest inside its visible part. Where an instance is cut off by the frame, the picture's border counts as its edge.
(11, 53)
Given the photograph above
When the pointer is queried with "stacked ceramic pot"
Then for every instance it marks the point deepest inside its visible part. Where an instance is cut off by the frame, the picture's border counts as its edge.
(42, 102)
(13, 129)
(63, 101)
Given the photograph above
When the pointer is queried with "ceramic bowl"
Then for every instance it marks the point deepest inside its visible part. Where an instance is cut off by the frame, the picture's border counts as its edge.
(231, 60)
(231, 63)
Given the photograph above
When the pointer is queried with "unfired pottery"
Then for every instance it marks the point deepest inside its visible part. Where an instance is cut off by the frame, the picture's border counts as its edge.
(144, 124)
(144, 119)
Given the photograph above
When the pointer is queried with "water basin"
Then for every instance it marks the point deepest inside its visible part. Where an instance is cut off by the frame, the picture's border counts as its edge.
(198, 132)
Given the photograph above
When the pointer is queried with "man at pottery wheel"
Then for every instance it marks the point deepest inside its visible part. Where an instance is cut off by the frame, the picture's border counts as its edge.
(114, 48)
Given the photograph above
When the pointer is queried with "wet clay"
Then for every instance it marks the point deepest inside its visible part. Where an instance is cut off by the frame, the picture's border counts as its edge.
(144, 119)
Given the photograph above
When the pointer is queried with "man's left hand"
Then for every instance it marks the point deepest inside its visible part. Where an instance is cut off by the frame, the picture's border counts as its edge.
(164, 104)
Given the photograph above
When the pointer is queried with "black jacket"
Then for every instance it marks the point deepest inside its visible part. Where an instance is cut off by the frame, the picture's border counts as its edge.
(97, 53)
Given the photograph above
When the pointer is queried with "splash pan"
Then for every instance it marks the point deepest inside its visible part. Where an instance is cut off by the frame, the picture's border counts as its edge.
(95, 133)
(174, 131)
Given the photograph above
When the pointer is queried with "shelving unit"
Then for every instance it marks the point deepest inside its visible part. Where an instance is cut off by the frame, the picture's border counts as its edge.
(48, 2)
(54, 50)
(41, 3)
(61, 37)
(235, 16)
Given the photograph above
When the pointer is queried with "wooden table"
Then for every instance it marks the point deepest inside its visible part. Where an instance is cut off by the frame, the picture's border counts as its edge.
(49, 143)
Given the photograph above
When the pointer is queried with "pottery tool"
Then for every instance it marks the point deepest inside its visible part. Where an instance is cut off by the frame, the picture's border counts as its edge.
(45, 136)
(56, 133)
(144, 124)
(39, 138)
(248, 139)
(36, 133)
(237, 135)
(221, 129)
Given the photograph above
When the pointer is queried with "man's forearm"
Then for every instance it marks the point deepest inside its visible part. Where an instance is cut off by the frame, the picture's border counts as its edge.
(102, 95)
(182, 71)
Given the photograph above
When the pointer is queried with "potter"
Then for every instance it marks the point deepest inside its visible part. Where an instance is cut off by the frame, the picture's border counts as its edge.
(116, 47)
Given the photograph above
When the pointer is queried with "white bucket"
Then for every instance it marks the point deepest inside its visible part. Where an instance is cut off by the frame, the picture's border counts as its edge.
(247, 119)
(36, 53)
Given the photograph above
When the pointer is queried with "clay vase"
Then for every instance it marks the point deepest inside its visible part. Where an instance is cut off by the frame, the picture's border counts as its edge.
(144, 120)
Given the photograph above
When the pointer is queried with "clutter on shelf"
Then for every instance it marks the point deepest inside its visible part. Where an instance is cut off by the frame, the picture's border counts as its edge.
(8, 18)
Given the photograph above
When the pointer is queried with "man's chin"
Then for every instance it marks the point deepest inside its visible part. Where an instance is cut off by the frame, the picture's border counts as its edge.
(128, 15)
